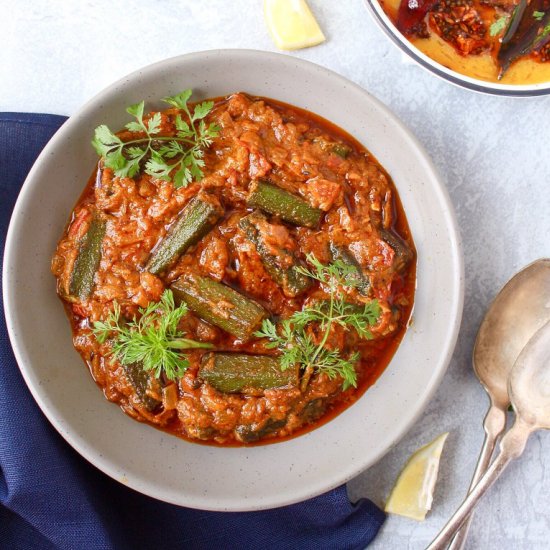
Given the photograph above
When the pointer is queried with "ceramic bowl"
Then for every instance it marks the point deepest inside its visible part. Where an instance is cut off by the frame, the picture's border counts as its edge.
(190, 474)
(477, 85)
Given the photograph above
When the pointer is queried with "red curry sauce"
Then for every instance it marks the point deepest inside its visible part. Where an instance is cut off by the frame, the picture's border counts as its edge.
(295, 150)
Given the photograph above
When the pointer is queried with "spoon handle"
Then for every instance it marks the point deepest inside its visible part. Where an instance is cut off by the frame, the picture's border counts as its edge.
(494, 424)
(511, 447)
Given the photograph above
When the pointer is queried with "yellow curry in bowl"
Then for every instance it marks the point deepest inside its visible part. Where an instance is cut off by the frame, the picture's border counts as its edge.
(503, 41)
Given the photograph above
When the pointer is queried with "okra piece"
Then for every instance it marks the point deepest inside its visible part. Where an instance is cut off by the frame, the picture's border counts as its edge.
(278, 262)
(314, 409)
(288, 207)
(403, 252)
(343, 254)
(341, 150)
(237, 372)
(249, 433)
(219, 304)
(88, 258)
(140, 379)
(197, 218)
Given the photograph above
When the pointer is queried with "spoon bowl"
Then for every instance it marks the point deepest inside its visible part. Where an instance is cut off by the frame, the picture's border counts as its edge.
(529, 387)
(517, 312)
(529, 384)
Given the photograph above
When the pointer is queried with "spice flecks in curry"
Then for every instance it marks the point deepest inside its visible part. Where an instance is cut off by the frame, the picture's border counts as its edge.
(281, 188)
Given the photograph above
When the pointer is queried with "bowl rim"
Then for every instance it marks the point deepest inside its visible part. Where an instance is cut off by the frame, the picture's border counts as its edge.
(345, 473)
(458, 79)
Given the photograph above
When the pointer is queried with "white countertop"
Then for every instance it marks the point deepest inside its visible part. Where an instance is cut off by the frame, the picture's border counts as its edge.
(492, 154)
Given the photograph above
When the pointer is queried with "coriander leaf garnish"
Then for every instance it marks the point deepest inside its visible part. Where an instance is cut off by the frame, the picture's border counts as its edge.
(176, 158)
(152, 340)
(538, 15)
(338, 273)
(498, 26)
(293, 336)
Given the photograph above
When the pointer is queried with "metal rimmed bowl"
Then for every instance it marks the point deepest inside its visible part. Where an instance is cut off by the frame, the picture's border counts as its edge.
(161, 465)
(477, 85)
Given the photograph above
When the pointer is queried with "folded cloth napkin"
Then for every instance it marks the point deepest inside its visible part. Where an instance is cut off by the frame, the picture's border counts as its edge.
(52, 498)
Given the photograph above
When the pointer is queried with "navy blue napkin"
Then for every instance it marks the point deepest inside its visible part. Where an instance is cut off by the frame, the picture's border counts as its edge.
(51, 498)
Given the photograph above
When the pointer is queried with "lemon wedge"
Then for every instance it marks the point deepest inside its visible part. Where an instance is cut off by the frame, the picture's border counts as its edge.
(412, 494)
(291, 24)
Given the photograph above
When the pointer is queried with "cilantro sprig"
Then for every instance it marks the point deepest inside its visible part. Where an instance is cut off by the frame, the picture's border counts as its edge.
(293, 336)
(178, 158)
(153, 339)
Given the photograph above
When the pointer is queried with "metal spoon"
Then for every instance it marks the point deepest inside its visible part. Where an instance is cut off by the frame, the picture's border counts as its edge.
(529, 389)
(517, 312)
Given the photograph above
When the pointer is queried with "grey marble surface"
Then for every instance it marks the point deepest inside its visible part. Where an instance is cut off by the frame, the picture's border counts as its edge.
(492, 154)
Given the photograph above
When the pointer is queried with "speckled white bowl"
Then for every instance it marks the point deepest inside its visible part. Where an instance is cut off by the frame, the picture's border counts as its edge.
(164, 466)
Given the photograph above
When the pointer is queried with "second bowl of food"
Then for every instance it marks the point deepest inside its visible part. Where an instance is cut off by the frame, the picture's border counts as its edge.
(495, 47)
(235, 258)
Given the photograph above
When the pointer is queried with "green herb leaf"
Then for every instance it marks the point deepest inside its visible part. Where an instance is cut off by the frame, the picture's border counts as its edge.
(499, 25)
(179, 100)
(335, 275)
(153, 124)
(202, 109)
(136, 110)
(153, 339)
(183, 128)
(134, 127)
(171, 158)
(116, 161)
(157, 167)
(292, 337)
(182, 177)
(171, 150)
(538, 15)
(135, 152)
(104, 140)
(131, 168)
